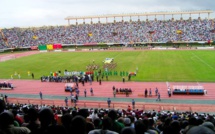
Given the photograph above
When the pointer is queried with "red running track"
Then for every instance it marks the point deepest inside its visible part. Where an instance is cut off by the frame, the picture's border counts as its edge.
(105, 90)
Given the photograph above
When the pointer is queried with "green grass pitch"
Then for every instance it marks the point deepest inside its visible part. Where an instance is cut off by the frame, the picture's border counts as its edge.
(164, 65)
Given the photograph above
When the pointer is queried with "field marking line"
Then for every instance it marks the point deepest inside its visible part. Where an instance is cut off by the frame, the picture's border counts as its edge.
(203, 61)
(7, 80)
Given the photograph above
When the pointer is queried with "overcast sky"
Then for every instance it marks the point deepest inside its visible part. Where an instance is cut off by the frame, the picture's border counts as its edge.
(25, 13)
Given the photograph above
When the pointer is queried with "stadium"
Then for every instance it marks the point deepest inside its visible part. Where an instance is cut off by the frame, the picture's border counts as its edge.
(174, 57)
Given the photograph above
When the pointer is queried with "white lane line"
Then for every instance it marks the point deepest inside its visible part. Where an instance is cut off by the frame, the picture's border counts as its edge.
(203, 61)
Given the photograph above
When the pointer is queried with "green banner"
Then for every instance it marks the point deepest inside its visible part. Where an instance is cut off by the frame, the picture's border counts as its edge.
(42, 47)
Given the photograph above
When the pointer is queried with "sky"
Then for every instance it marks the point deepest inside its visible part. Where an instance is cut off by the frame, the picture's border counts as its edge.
(30, 13)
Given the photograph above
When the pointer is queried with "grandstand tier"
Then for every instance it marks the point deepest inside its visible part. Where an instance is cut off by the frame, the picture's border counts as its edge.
(134, 32)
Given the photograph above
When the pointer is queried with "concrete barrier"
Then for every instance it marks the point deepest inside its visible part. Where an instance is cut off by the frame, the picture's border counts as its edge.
(71, 50)
(57, 50)
(43, 51)
(205, 47)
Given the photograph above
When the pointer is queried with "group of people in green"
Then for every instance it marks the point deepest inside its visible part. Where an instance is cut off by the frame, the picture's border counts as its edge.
(112, 73)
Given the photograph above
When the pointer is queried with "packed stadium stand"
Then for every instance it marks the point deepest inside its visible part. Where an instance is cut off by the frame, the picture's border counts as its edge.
(119, 32)
(29, 118)
(52, 119)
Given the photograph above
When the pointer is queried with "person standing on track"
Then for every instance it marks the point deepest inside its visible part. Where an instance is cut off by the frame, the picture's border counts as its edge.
(114, 93)
(146, 92)
(133, 103)
(66, 101)
(156, 91)
(150, 92)
(100, 82)
(85, 93)
(91, 91)
(41, 95)
(159, 97)
(108, 102)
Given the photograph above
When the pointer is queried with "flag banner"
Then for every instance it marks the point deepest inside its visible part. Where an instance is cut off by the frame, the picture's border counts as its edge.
(42, 47)
(34, 47)
(49, 46)
(179, 32)
(57, 46)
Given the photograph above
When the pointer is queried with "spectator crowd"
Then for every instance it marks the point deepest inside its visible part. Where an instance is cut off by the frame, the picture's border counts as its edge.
(119, 32)
(50, 119)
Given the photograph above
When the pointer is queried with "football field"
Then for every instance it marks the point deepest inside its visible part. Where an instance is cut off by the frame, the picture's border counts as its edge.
(153, 65)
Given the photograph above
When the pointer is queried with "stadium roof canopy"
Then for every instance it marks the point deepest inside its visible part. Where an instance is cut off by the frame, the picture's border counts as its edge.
(140, 14)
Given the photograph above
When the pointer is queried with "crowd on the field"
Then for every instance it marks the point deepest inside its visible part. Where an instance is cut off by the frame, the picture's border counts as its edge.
(50, 119)
(119, 32)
